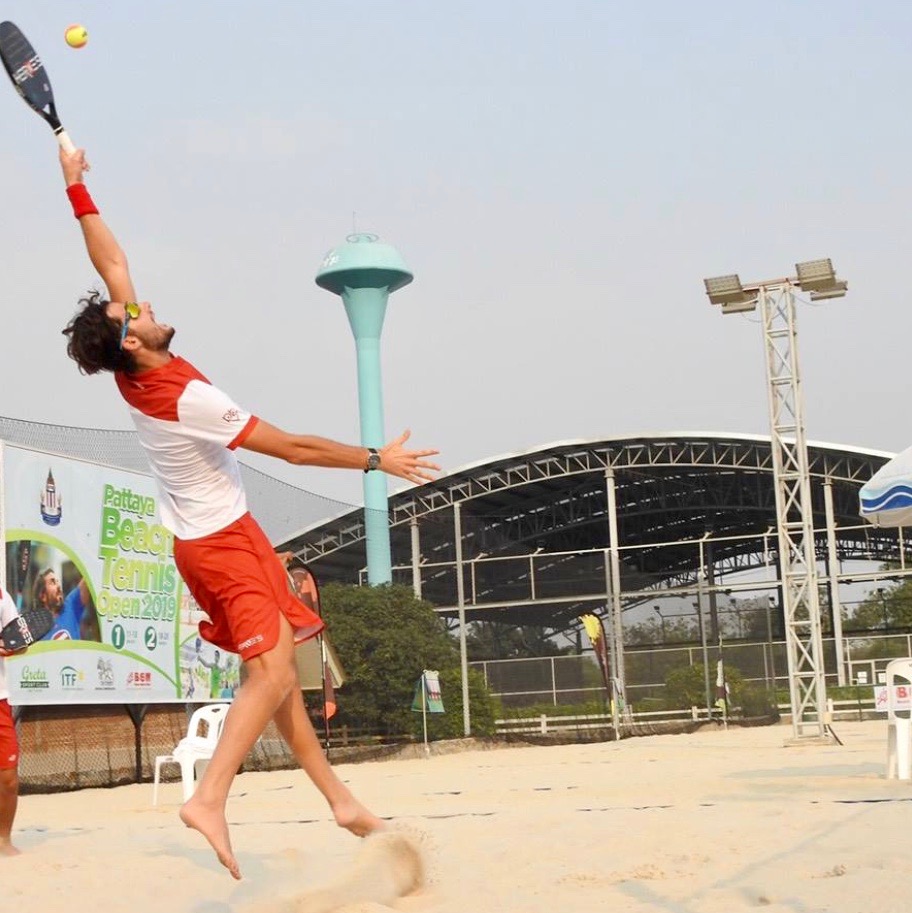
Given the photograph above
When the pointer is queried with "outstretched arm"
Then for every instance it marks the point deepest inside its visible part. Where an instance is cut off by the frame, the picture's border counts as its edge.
(308, 450)
(104, 251)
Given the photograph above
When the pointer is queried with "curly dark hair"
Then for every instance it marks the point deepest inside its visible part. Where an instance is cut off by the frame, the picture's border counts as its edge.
(39, 587)
(93, 338)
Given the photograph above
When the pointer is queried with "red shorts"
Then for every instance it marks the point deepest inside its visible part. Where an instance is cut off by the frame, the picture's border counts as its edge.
(9, 744)
(239, 582)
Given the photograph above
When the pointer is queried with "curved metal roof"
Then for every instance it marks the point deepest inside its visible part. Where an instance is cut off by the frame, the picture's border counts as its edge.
(673, 487)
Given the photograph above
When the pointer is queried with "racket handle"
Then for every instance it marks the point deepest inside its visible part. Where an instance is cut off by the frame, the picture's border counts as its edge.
(64, 139)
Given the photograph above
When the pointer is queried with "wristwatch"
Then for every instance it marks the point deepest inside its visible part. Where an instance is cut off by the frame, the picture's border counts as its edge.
(373, 459)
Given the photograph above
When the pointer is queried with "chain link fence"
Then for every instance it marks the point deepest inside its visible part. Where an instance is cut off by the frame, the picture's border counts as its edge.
(65, 747)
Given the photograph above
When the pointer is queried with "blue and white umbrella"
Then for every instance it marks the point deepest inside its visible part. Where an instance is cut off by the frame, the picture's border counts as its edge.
(886, 500)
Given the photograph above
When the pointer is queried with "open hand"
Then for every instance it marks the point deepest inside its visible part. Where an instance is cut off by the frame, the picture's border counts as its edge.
(411, 465)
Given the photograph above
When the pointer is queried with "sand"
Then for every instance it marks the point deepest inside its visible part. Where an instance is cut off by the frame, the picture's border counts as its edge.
(711, 822)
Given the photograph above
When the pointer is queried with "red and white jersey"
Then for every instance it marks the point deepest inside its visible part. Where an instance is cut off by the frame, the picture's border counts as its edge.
(8, 612)
(189, 430)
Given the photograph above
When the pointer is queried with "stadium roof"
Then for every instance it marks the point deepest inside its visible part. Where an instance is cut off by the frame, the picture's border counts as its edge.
(672, 489)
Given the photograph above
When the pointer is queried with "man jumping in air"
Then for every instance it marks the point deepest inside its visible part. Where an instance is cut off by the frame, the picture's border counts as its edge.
(189, 430)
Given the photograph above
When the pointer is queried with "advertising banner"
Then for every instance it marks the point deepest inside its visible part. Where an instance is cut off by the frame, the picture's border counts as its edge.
(86, 541)
(427, 693)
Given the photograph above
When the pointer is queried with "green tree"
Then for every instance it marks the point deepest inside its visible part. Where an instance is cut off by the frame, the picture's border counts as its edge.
(674, 629)
(385, 638)
(885, 608)
(686, 686)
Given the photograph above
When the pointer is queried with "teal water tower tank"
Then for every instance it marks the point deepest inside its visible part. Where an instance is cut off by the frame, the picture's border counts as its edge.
(364, 272)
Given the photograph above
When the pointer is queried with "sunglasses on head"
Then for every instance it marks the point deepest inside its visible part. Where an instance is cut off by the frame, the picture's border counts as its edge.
(131, 311)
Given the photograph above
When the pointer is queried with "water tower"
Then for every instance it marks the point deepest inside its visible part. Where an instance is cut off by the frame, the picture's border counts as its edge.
(364, 272)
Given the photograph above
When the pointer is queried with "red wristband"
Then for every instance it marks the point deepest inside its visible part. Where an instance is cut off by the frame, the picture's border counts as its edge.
(82, 202)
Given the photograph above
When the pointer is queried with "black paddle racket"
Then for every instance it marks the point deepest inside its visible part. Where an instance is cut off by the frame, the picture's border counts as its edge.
(26, 628)
(30, 79)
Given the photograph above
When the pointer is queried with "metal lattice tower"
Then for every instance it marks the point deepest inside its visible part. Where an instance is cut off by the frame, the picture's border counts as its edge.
(794, 512)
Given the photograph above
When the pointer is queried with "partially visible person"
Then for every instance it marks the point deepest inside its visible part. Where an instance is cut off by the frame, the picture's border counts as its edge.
(216, 671)
(193, 670)
(79, 607)
(9, 744)
(74, 616)
(47, 593)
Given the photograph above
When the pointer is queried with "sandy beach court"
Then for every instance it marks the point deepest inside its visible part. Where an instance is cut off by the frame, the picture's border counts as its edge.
(712, 822)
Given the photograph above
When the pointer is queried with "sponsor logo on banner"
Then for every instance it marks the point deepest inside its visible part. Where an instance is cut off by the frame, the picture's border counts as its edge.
(139, 680)
(33, 679)
(71, 678)
(902, 698)
(105, 672)
(51, 502)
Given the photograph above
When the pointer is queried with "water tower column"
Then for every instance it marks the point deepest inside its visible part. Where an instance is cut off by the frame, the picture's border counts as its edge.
(366, 311)
(364, 273)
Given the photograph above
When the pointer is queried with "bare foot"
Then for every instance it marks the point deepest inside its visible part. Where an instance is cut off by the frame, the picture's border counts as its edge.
(210, 822)
(353, 816)
(7, 849)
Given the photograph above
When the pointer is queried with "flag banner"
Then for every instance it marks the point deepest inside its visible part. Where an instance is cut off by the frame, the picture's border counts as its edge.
(886, 499)
(329, 693)
(427, 693)
(596, 633)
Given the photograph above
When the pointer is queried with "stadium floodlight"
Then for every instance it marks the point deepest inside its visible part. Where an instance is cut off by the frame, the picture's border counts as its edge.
(838, 290)
(728, 292)
(818, 278)
(776, 299)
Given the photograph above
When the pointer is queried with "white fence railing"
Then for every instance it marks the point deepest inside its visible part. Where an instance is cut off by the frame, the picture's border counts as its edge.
(544, 723)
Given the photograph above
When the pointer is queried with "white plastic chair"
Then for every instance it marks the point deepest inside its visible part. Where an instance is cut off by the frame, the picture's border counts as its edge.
(197, 746)
(899, 720)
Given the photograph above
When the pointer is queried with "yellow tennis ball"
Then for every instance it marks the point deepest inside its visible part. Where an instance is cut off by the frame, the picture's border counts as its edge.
(76, 36)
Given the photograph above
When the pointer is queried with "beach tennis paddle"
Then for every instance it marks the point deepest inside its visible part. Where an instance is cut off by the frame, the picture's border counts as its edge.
(304, 585)
(30, 79)
(27, 627)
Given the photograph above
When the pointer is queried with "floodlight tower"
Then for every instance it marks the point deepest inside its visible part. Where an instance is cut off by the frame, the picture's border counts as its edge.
(365, 272)
(794, 510)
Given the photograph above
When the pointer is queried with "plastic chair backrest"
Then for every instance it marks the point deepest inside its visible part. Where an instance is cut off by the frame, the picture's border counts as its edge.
(899, 674)
(206, 722)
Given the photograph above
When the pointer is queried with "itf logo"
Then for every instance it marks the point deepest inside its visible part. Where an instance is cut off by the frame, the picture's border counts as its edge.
(70, 678)
(51, 502)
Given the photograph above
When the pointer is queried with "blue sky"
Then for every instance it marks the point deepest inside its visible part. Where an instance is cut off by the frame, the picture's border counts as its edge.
(559, 176)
